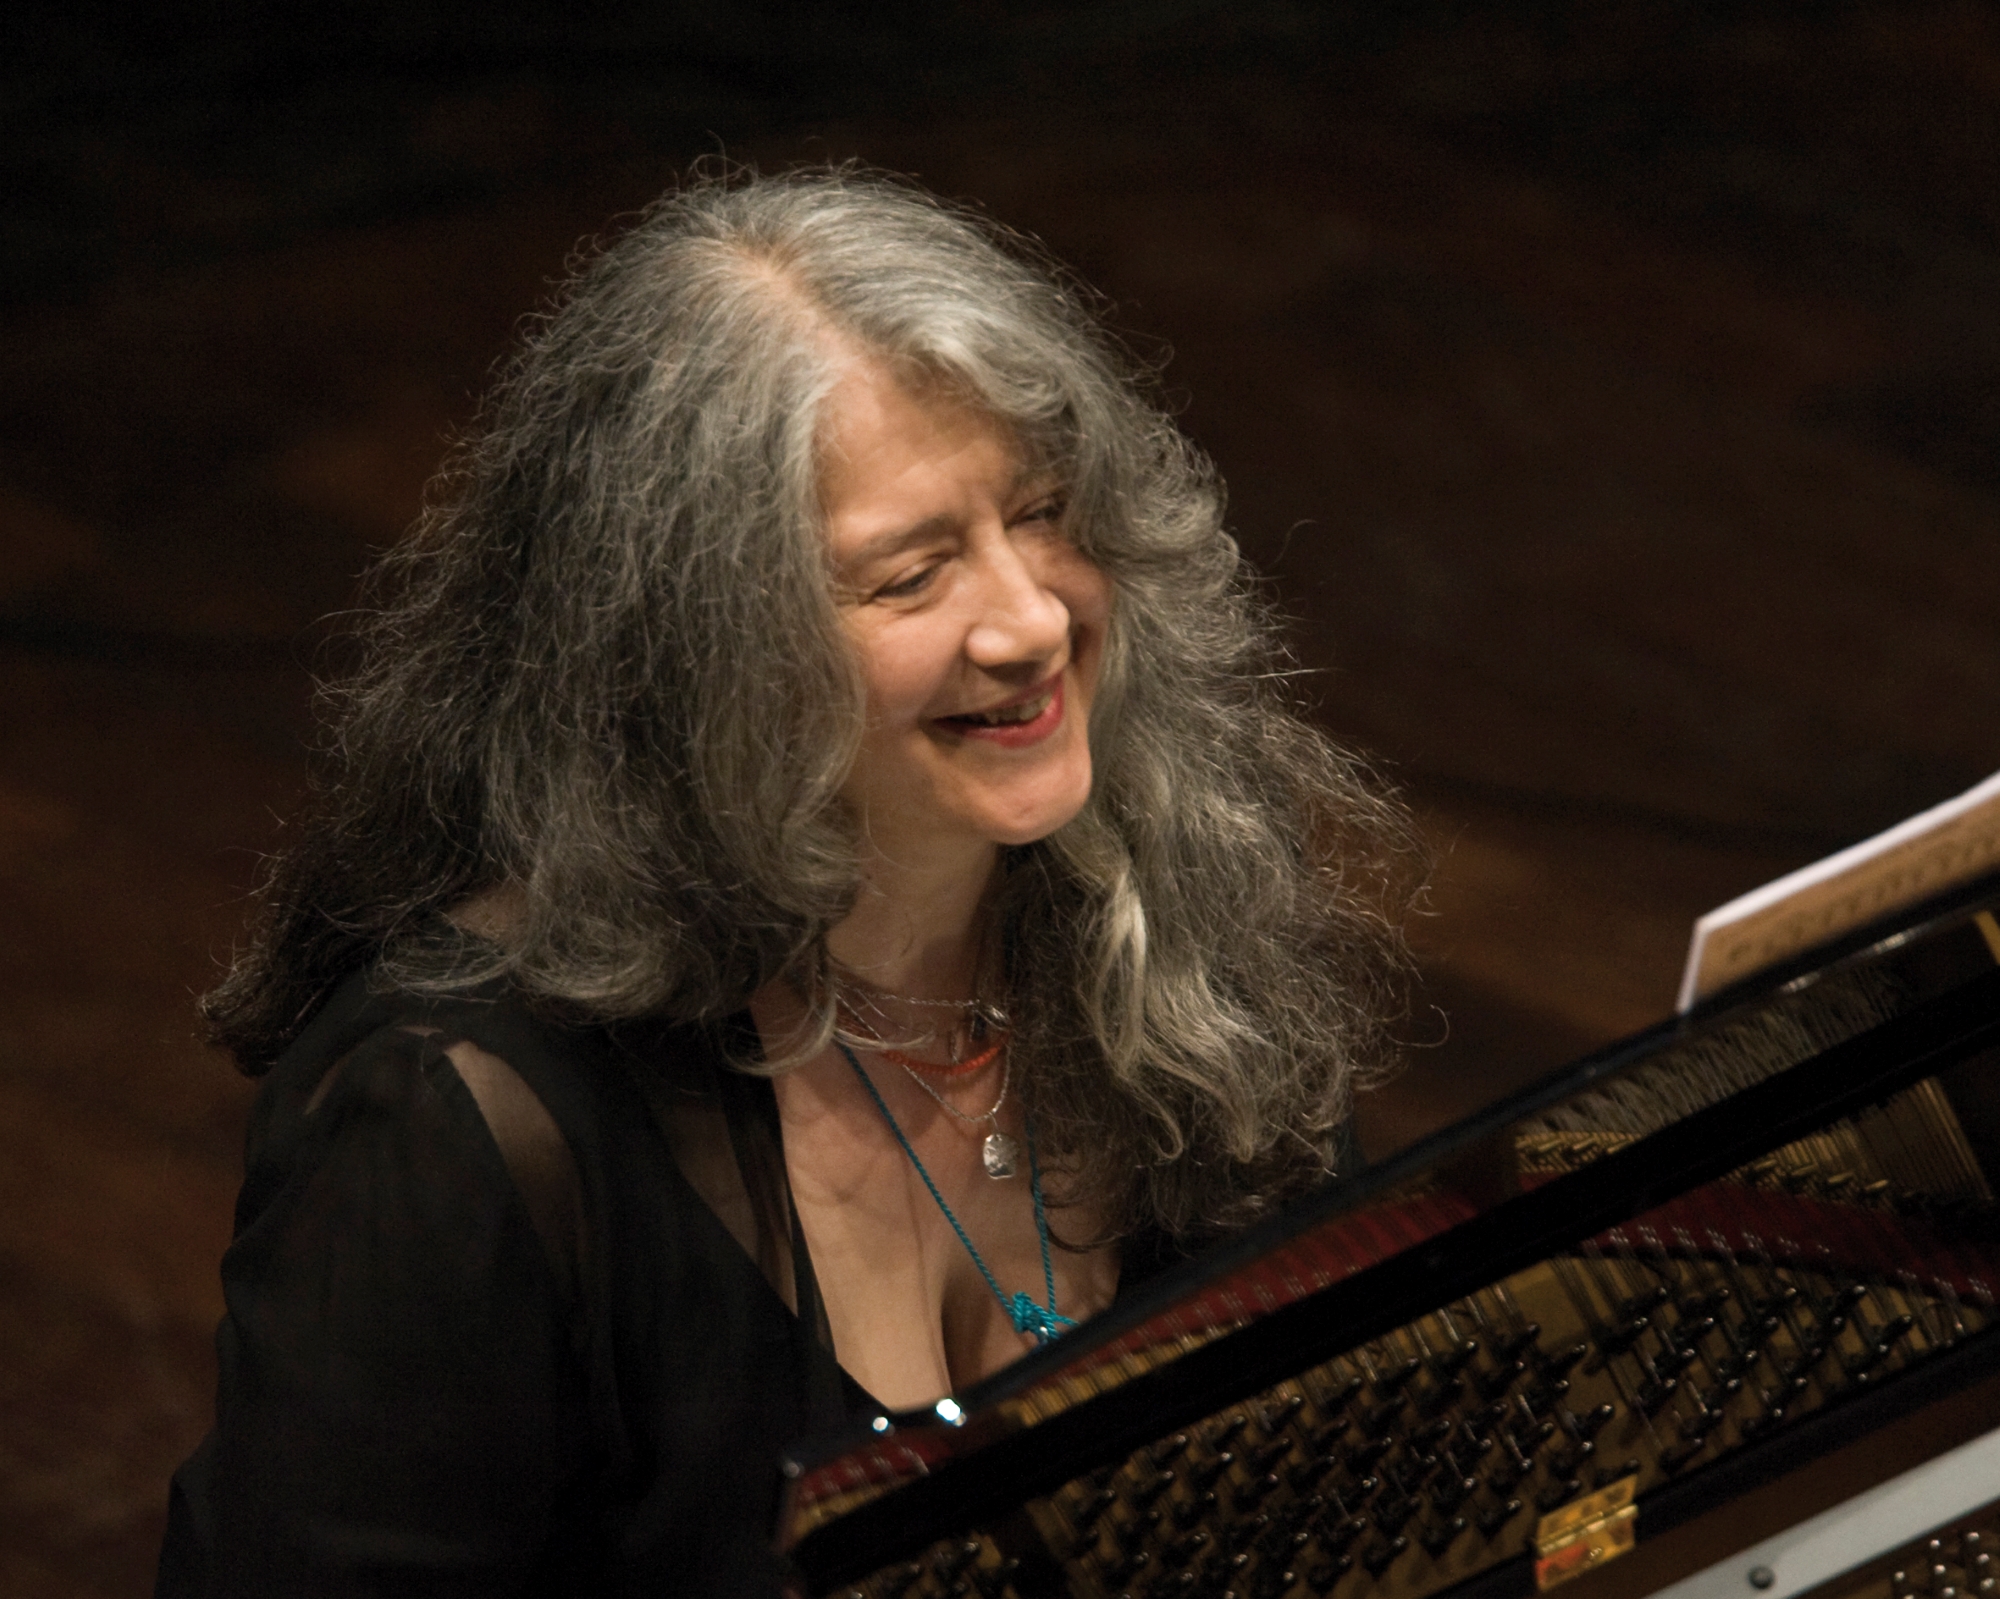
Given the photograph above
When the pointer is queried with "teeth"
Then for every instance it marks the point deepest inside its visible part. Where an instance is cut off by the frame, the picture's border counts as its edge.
(1027, 711)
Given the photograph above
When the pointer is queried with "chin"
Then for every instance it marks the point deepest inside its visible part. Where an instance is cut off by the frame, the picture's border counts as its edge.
(1031, 824)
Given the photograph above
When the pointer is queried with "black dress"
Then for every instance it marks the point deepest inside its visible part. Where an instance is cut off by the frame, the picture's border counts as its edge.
(525, 1319)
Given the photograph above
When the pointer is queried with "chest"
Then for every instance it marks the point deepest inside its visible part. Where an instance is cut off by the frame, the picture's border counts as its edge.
(915, 1245)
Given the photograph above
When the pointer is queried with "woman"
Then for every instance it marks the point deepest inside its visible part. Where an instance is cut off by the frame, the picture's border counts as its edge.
(814, 890)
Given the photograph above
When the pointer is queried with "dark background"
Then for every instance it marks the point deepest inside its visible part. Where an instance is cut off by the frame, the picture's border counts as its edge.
(1611, 390)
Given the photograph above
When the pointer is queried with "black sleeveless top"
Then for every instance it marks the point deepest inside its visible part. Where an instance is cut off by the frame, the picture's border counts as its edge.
(529, 1323)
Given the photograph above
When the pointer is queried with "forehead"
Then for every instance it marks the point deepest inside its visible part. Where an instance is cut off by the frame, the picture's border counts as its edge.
(871, 407)
(891, 455)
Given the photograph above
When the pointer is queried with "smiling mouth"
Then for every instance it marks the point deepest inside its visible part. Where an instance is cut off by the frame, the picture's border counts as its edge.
(1014, 715)
(1007, 715)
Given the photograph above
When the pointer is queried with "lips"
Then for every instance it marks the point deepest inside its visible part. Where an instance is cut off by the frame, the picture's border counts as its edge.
(1026, 720)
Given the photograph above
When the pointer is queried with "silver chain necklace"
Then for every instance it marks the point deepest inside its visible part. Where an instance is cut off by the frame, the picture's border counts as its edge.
(998, 1152)
(976, 1019)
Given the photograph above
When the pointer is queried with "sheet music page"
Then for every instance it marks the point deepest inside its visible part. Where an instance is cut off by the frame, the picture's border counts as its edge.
(1934, 850)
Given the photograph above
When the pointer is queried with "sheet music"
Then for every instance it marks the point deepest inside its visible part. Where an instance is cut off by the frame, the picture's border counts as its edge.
(1934, 850)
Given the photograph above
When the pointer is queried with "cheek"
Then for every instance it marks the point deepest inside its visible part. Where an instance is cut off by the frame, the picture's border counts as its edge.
(1078, 582)
(906, 678)
(1090, 602)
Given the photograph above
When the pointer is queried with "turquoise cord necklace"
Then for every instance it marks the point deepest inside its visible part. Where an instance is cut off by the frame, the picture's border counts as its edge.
(1039, 1322)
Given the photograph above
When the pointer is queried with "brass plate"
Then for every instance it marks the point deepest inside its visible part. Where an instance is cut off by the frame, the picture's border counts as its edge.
(1585, 1534)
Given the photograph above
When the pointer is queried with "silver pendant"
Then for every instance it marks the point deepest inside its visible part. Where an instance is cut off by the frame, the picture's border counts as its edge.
(1000, 1153)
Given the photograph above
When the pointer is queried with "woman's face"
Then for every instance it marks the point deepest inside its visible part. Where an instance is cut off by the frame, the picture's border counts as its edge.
(979, 626)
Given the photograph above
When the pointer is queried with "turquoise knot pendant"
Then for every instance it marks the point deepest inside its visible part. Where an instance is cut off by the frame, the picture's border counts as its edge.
(1039, 1322)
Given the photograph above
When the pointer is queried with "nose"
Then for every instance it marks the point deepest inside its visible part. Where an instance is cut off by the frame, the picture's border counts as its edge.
(1018, 620)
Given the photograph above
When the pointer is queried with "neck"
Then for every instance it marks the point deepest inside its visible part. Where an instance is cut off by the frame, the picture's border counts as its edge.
(915, 926)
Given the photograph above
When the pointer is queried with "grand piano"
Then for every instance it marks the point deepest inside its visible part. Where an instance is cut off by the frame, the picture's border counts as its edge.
(1752, 1251)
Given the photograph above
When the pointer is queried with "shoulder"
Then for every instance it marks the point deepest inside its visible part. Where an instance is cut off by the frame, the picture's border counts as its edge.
(475, 1093)
(372, 1044)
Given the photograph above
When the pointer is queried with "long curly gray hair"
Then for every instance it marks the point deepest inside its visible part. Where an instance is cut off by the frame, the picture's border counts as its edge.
(607, 671)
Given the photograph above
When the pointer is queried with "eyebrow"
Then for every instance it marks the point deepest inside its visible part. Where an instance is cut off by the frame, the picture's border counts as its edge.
(886, 545)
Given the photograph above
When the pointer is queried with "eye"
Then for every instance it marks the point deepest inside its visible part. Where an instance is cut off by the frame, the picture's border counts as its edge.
(909, 585)
(1049, 509)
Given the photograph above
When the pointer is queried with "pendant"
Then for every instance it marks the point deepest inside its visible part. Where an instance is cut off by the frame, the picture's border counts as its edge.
(1000, 1153)
(1038, 1323)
